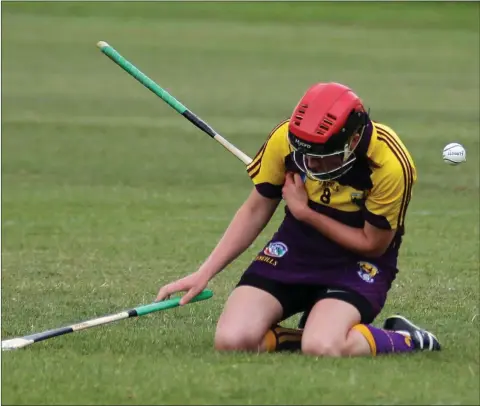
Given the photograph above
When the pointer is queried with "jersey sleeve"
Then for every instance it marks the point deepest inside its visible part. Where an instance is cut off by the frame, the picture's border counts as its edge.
(387, 202)
(267, 170)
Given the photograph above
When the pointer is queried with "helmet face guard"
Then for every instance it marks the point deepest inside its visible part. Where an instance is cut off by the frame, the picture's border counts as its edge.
(336, 156)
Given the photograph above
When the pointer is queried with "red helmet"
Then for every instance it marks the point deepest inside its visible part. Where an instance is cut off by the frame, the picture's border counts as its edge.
(324, 130)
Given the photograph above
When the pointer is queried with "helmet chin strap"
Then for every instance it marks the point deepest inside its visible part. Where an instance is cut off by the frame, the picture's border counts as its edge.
(324, 176)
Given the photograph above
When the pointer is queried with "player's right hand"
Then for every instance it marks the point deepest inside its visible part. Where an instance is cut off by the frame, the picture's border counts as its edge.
(192, 284)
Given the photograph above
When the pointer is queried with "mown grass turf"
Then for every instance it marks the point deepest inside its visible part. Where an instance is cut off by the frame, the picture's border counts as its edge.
(108, 193)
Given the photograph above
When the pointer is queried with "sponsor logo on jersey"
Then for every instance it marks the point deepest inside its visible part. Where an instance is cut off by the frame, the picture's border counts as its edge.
(276, 249)
(358, 198)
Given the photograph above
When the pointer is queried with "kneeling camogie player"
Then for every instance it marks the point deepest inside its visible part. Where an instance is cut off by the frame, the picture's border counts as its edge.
(347, 182)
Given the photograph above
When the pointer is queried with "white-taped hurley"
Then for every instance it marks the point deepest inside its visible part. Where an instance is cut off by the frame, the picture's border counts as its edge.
(15, 343)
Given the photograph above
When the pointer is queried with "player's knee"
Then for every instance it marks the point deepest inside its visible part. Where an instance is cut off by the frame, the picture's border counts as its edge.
(235, 340)
(322, 346)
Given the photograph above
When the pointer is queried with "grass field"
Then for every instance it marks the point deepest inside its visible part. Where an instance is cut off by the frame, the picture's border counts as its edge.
(107, 193)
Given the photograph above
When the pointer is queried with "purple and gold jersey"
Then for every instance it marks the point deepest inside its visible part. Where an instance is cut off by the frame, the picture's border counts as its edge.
(377, 190)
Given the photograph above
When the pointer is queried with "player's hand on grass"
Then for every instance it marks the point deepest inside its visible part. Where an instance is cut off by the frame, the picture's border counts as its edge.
(192, 284)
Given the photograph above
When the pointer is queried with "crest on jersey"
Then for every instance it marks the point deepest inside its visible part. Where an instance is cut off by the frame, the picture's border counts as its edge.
(358, 198)
(367, 271)
(276, 249)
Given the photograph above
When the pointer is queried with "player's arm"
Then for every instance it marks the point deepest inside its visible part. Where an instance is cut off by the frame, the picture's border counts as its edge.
(267, 171)
(369, 241)
(245, 226)
(250, 219)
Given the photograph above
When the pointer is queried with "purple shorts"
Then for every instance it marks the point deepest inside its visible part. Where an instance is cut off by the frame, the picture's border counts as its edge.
(365, 278)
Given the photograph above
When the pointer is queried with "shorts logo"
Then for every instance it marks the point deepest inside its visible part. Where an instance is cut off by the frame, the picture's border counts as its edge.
(367, 271)
(275, 249)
